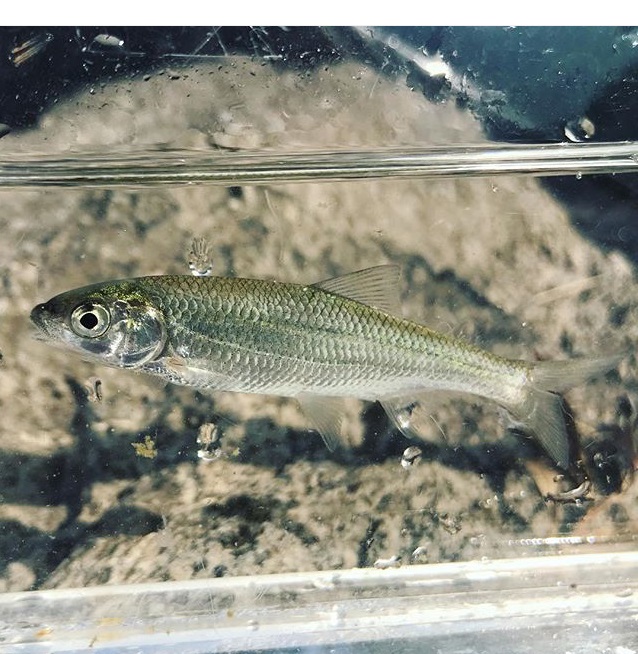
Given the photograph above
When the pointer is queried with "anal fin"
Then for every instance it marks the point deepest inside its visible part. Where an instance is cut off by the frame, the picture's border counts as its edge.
(325, 414)
(413, 415)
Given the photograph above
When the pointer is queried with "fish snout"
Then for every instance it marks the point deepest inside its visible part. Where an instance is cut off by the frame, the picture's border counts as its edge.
(39, 314)
(43, 318)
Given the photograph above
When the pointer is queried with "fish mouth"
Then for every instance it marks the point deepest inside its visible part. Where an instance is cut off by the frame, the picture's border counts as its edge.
(40, 319)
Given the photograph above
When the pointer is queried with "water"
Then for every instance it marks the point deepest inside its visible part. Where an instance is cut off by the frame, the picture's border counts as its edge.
(163, 484)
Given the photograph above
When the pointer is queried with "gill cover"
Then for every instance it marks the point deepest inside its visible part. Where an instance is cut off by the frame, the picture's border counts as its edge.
(136, 333)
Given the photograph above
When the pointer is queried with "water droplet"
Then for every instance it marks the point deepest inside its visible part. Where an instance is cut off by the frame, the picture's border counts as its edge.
(580, 129)
(579, 175)
(631, 37)
(107, 41)
(569, 134)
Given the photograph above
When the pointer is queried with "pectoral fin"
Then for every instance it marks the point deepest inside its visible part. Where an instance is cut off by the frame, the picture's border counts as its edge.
(178, 371)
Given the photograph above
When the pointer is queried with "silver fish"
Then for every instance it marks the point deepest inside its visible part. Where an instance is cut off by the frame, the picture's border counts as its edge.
(317, 343)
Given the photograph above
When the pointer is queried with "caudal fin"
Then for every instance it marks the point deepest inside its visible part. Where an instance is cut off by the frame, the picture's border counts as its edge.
(541, 412)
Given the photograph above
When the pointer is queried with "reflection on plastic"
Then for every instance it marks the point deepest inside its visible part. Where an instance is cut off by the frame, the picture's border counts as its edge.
(495, 606)
(184, 167)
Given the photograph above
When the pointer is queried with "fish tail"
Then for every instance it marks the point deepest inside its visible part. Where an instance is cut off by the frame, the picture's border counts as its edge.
(541, 409)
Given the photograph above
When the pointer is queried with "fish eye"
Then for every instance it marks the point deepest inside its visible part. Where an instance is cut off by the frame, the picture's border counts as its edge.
(91, 320)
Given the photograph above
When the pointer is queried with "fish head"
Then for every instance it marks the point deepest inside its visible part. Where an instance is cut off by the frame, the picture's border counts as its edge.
(112, 323)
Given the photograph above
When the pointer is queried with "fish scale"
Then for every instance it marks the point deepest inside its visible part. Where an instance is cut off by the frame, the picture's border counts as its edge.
(328, 343)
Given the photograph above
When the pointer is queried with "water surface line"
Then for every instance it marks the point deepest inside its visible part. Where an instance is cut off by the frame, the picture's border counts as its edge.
(127, 168)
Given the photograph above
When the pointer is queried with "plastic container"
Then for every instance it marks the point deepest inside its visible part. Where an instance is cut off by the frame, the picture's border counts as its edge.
(137, 517)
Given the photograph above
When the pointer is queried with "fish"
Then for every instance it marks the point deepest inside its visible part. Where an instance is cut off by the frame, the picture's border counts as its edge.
(320, 343)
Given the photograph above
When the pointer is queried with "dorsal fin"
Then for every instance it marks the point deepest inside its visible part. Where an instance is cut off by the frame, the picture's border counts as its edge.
(377, 287)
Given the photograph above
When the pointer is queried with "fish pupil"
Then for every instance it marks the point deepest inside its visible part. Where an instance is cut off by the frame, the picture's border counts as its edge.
(89, 320)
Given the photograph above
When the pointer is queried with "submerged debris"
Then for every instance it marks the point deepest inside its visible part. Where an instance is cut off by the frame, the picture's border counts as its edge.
(199, 258)
(93, 387)
(419, 555)
(611, 457)
(208, 438)
(574, 495)
(147, 449)
(411, 456)
(404, 416)
(451, 524)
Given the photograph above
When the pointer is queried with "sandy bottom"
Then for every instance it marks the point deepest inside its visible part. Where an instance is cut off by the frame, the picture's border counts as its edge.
(114, 491)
